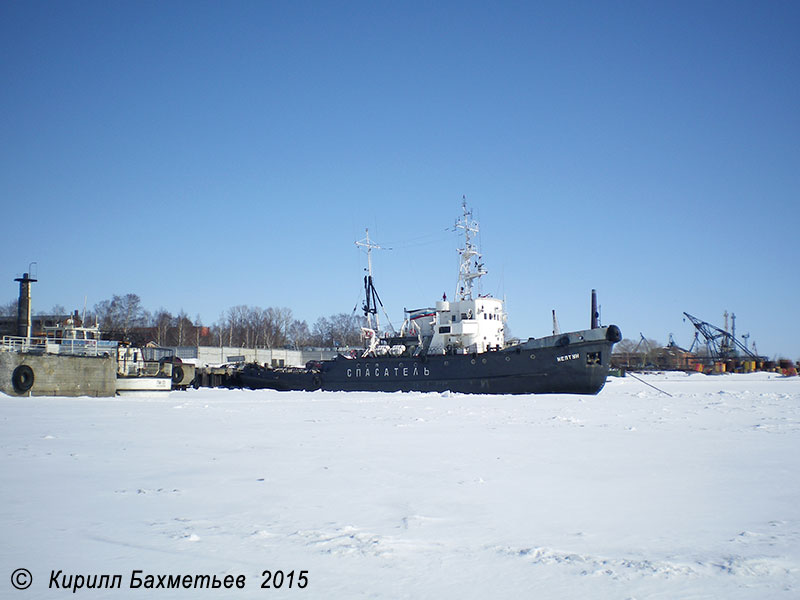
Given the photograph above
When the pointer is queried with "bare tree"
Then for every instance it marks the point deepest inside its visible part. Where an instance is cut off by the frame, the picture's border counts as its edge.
(637, 354)
(236, 325)
(128, 313)
(321, 332)
(262, 327)
(283, 322)
(184, 327)
(338, 330)
(57, 310)
(162, 321)
(198, 328)
(121, 315)
(10, 309)
(103, 315)
(625, 346)
(299, 335)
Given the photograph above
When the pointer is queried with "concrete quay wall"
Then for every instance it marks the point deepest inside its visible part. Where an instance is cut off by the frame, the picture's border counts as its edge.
(57, 375)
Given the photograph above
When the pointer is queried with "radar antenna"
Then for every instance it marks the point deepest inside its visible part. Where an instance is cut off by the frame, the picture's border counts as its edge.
(471, 268)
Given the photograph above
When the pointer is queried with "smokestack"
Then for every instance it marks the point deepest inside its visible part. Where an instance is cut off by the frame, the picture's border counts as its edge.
(595, 314)
(24, 306)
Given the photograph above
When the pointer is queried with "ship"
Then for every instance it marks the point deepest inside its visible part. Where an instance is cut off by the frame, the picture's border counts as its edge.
(457, 346)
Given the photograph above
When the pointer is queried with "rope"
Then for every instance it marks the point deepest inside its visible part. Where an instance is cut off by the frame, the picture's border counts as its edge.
(652, 386)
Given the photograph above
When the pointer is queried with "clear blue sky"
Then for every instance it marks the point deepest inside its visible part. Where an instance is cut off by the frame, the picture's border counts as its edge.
(208, 154)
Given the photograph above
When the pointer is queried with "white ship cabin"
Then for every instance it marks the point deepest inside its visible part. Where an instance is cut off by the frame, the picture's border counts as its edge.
(467, 326)
(71, 329)
(70, 337)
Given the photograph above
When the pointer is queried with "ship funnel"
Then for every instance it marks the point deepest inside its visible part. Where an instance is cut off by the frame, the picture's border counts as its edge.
(24, 306)
(595, 314)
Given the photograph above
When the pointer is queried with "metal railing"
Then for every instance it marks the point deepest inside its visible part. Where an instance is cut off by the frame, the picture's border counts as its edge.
(13, 343)
(42, 345)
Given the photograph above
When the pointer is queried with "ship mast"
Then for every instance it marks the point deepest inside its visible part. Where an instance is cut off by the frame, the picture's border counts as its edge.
(470, 269)
(371, 298)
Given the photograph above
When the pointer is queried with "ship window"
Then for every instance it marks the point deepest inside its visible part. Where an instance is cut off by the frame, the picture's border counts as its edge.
(453, 319)
(444, 329)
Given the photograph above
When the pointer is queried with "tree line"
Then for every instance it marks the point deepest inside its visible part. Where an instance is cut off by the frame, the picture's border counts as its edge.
(123, 318)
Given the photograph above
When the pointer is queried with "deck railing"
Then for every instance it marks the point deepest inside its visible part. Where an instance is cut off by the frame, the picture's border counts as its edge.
(42, 345)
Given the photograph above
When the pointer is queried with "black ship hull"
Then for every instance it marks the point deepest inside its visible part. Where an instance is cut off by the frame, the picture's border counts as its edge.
(570, 363)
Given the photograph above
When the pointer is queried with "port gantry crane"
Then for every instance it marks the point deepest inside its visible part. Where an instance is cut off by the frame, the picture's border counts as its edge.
(720, 344)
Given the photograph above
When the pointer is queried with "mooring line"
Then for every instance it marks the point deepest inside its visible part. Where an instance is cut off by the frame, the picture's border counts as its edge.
(651, 385)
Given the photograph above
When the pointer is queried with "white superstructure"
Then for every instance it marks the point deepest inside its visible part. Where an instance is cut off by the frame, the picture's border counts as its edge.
(468, 324)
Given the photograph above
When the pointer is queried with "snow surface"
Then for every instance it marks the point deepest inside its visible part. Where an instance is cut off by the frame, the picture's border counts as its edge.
(628, 494)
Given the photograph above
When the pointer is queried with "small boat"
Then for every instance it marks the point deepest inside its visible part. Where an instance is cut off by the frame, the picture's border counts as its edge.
(146, 370)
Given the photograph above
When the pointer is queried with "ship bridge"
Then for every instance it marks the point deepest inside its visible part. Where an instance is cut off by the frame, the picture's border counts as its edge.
(466, 326)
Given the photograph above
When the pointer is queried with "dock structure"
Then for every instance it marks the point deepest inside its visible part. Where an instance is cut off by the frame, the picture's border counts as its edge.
(219, 366)
(270, 357)
(40, 374)
(214, 377)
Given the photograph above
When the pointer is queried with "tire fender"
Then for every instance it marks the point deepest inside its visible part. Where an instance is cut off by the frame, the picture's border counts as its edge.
(22, 379)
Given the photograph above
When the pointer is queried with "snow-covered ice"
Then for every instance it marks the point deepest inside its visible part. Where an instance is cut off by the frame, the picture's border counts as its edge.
(628, 494)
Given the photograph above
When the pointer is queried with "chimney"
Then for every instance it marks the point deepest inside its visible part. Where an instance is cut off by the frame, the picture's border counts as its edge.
(24, 306)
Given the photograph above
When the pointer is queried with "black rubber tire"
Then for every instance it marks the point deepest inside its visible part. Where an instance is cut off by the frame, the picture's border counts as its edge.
(22, 379)
(613, 334)
(177, 374)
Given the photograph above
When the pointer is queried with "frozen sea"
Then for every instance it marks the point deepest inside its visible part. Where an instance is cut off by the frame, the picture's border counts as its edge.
(628, 494)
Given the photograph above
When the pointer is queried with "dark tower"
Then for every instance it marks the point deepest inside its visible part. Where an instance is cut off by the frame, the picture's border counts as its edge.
(24, 306)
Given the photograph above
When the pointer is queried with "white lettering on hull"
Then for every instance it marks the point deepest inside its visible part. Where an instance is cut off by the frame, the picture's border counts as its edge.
(360, 372)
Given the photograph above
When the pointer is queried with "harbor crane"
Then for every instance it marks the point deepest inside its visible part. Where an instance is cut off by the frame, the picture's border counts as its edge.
(720, 344)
